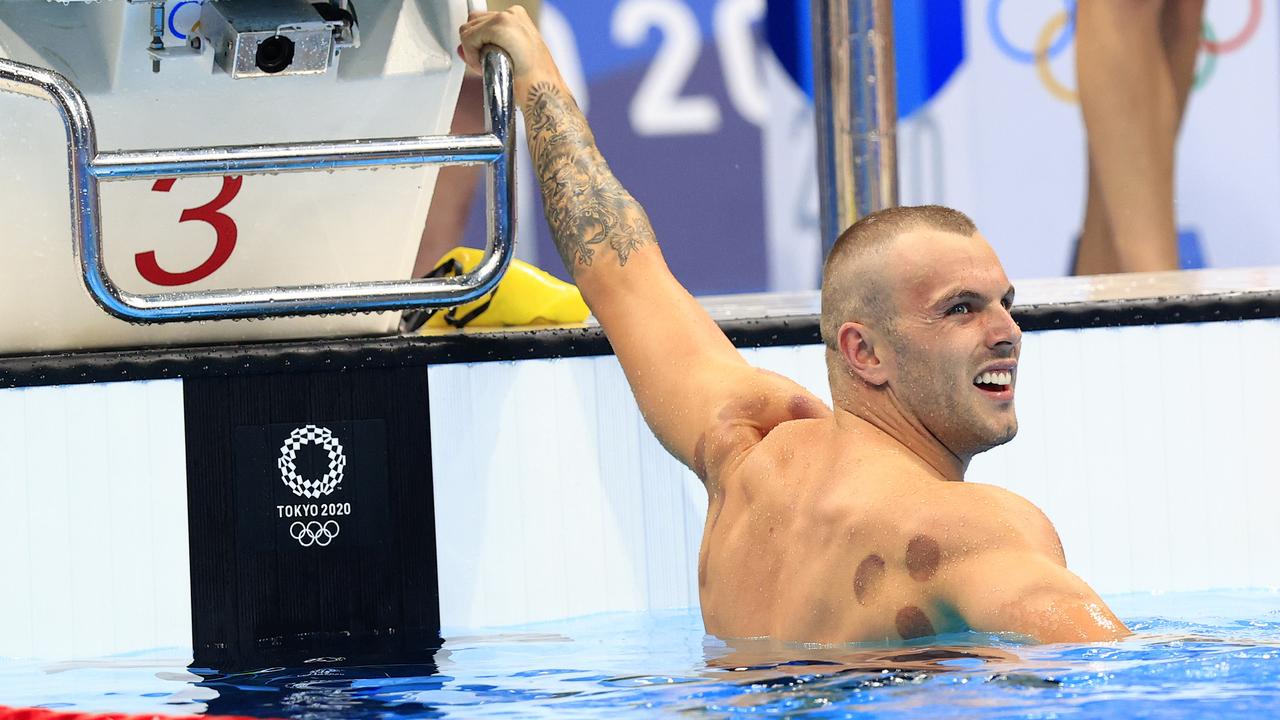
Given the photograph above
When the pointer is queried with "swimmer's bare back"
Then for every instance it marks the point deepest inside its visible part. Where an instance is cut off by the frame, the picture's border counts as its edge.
(821, 527)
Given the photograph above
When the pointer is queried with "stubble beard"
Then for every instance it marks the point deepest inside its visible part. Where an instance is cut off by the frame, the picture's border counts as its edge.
(958, 421)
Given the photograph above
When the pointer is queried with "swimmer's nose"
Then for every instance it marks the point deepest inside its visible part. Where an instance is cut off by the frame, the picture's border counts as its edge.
(1003, 330)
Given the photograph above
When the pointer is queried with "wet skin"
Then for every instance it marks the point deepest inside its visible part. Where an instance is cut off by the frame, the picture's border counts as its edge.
(849, 539)
(855, 524)
(822, 526)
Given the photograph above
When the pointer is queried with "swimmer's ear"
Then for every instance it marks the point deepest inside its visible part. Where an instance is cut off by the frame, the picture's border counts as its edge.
(860, 352)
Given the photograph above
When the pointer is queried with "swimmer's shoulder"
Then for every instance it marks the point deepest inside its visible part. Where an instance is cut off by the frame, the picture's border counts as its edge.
(769, 416)
(1006, 519)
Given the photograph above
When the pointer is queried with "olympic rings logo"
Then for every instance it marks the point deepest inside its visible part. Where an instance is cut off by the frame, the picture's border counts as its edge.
(173, 14)
(1058, 33)
(314, 532)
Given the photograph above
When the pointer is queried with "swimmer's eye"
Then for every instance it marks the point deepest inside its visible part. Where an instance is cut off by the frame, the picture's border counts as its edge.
(960, 309)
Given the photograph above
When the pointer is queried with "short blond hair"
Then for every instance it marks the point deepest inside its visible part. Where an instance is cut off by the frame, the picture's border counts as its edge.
(852, 283)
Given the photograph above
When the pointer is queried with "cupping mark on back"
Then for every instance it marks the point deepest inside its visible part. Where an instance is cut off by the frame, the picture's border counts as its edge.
(911, 623)
(923, 556)
(867, 578)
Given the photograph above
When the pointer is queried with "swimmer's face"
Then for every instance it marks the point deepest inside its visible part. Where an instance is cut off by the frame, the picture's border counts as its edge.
(953, 345)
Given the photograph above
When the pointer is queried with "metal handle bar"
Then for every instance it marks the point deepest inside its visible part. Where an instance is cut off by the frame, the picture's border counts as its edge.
(87, 167)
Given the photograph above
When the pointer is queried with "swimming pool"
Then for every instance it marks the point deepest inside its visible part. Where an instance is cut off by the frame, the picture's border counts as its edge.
(1194, 654)
(506, 480)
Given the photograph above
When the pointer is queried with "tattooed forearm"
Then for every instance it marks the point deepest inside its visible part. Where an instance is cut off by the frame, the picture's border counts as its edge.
(587, 208)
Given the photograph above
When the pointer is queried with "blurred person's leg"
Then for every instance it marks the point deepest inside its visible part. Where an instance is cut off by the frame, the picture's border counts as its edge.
(1095, 249)
(456, 185)
(1135, 61)
(1180, 28)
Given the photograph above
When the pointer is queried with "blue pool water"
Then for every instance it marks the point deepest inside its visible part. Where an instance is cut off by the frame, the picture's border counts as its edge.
(1201, 655)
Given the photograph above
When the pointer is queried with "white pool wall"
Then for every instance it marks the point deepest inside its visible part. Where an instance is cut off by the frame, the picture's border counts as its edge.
(1150, 448)
(94, 557)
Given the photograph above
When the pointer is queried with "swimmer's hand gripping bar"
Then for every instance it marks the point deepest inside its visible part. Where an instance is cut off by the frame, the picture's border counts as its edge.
(87, 167)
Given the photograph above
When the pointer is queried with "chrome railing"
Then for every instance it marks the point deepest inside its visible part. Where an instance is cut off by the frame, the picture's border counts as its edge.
(87, 167)
(855, 107)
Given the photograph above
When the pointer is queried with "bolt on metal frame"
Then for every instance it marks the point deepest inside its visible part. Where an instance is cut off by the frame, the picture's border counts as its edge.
(87, 167)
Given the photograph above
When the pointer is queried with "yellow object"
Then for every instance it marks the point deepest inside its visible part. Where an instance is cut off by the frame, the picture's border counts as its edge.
(524, 296)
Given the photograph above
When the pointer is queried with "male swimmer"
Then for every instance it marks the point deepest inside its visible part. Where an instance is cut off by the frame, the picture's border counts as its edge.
(852, 525)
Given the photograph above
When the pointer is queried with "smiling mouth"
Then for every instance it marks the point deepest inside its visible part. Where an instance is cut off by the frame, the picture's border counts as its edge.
(996, 381)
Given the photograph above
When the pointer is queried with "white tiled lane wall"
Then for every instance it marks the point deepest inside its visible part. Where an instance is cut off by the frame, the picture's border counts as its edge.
(553, 499)
(1151, 449)
(93, 520)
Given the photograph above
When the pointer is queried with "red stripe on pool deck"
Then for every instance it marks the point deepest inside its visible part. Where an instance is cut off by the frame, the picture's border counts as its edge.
(8, 713)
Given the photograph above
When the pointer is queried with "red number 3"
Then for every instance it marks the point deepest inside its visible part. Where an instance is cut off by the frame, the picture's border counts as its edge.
(223, 226)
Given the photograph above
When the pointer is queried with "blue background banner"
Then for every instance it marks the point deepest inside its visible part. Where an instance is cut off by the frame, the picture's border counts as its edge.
(703, 109)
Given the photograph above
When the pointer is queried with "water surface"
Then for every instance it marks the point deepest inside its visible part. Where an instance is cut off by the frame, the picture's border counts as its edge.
(1194, 655)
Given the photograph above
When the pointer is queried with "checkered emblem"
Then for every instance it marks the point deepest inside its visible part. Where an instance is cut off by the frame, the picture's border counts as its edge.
(305, 487)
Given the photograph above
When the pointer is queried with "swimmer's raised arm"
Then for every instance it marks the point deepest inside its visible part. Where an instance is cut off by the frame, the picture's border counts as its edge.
(1028, 593)
(685, 373)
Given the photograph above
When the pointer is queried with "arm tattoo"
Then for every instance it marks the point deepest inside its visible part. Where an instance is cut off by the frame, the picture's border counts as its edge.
(587, 208)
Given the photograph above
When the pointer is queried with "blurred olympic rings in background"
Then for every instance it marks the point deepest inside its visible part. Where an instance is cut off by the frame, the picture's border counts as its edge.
(1214, 47)
(1059, 31)
(1064, 20)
